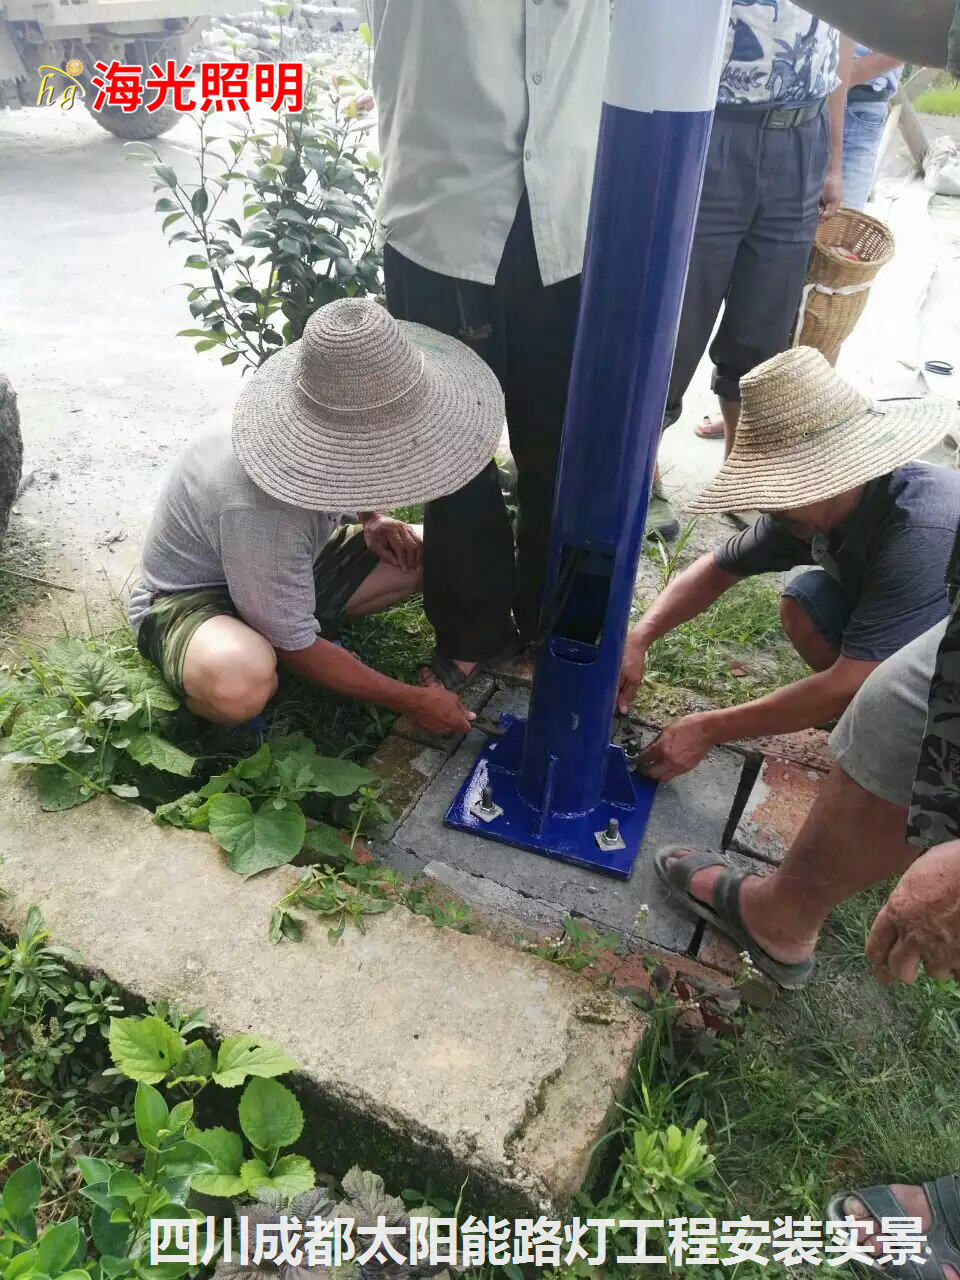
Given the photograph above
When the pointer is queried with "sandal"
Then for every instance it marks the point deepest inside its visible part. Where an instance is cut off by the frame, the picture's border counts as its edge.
(725, 913)
(942, 1236)
(450, 674)
(710, 428)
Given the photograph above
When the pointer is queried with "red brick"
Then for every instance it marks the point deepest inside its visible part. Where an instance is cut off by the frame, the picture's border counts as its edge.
(779, 803)
(717, 951)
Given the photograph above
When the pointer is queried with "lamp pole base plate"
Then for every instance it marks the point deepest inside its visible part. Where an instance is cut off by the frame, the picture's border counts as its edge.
(567, 837)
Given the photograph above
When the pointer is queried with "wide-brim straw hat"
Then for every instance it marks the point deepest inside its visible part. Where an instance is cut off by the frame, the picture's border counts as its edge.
(365, 413)
(805, 434)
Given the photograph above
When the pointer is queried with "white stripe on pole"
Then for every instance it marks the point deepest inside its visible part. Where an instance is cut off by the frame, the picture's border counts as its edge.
(666, 55)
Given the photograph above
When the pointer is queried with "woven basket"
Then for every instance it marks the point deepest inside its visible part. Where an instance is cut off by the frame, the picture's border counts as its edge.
(828, 318)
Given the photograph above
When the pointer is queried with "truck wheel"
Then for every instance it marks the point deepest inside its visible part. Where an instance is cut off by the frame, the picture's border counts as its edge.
(136, 126)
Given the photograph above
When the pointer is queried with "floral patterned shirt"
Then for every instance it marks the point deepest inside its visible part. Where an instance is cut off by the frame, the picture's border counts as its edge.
(778, 55)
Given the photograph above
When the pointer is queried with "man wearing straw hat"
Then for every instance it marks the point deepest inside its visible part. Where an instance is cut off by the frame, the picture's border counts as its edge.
(832, 473)
(248, 556)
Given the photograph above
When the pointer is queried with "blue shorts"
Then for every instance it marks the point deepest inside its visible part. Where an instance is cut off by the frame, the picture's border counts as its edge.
(822, 600)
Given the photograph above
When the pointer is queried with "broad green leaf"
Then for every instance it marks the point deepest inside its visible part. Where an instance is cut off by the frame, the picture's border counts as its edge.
(245, 1055)
(150, 1112)
(254, 766)
(165, 174)
(57, 1247)
(339, 777)
(23, 1264)
(186, 1160)
(149, 749)
(365, 34)
(63, 651)
(115, 1268)
(21, 1191)
(182, 1113)
(60, 790)
(144, 1049)
(147, 689)
(108, 1237)
(255, 841)
(91, 675)
(93, 1171)
(327, 842)
(270, 1115)
(225, 1149)
(199, 201)
(290, 1176)
(196, 1063)
(189, 811)
(125, 790)
(125, 1185)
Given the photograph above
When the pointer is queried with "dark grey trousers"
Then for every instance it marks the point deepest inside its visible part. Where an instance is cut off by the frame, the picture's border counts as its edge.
(757, 219)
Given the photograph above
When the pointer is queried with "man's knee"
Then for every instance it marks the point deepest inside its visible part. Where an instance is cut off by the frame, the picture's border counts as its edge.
(231, 673)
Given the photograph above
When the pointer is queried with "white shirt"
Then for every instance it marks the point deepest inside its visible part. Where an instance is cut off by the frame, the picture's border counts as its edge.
(476, 99)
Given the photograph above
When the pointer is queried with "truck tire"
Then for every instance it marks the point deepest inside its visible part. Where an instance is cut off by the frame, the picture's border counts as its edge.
(136, 126)
(11, 451)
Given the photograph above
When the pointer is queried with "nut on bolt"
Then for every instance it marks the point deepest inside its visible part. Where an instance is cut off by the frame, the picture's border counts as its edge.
(610, 838)
(486, 808)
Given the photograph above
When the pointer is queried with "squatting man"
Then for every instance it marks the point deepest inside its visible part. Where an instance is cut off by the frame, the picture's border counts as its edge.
(832, 474)
(250, 556)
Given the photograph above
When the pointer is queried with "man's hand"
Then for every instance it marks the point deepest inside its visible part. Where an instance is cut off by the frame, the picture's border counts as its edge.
(677, 749)
(393, 542)
(921, 920)
(831, 195)
(631, 672)
(438, 710)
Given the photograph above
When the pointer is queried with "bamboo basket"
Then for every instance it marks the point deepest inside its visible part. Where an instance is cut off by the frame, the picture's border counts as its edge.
(838, 287)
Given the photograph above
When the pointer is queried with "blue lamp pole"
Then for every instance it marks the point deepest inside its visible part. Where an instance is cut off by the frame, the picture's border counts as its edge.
(554, 784)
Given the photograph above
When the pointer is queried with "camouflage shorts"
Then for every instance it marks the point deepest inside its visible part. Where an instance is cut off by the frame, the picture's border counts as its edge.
(935, 804)
(172, 620)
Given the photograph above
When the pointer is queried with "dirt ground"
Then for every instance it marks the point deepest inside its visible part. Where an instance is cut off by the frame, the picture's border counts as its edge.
(91, 301)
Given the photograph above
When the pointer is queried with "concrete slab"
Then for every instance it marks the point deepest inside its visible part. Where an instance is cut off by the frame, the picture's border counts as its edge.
(422, 1050)
(693, 809)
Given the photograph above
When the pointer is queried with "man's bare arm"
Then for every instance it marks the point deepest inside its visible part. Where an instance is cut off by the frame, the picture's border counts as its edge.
(326, 664)
(915, 30)
(870, 66)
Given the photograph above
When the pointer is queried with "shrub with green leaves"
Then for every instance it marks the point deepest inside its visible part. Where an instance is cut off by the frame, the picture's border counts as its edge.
(305, 233)
(86, 715)
(254, 809)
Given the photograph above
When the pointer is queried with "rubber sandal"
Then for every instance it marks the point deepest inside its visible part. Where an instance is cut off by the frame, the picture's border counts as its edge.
(943, 1234)
(710, 428)
(675, 873)
(450, 674)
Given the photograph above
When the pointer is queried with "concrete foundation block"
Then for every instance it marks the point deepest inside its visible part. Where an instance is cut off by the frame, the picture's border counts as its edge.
(422, 1051)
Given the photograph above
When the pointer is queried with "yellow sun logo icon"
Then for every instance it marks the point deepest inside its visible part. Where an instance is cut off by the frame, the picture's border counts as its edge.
(74, 67)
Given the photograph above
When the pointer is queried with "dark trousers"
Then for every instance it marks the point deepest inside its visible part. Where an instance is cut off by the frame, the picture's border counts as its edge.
(758, 215)
(474, 585)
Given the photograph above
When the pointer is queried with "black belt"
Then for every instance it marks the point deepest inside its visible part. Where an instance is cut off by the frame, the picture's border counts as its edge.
(773, 117)
(867, 93)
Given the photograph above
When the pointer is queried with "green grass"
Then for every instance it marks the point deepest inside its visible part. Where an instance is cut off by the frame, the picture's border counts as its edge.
(742, 629)
(841, 1085)
(940, 102)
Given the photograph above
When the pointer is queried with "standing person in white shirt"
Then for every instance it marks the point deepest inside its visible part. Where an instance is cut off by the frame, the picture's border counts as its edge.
(489, 115)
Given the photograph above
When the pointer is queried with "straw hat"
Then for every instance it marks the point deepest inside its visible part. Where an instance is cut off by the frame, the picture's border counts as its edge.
(805, 435)
(365, 413)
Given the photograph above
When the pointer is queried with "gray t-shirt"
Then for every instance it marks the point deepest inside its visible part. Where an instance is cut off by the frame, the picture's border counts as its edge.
(213, 527)
(890, 559)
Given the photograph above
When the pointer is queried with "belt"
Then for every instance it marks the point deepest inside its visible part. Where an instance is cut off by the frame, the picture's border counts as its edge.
(773, 117)
(867, 93)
